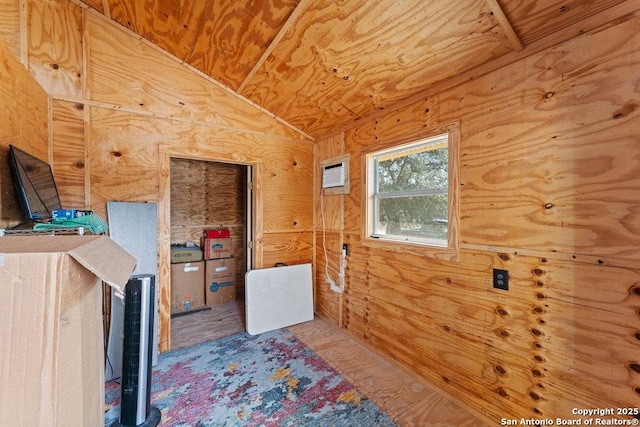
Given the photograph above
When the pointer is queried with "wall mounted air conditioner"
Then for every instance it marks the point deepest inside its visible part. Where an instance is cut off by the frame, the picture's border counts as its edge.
(335, 175)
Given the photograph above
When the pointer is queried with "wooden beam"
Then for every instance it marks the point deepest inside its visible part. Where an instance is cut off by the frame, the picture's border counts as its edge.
(300, 8)
(505, 24)
(106, 9)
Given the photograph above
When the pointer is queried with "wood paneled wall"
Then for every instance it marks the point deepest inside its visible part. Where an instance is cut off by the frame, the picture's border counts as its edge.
(549, 178)
(121, 109)
(24, 122)
(549, 168)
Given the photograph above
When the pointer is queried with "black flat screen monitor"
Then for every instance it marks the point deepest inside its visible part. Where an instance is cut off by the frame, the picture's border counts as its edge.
(34, 184)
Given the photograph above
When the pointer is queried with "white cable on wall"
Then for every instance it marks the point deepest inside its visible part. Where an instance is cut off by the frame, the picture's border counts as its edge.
(343, 261)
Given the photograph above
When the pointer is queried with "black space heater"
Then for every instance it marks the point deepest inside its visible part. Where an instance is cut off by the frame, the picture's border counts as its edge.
(135, 386)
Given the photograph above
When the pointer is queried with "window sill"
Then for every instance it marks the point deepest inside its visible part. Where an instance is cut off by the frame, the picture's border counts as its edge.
(437, 252)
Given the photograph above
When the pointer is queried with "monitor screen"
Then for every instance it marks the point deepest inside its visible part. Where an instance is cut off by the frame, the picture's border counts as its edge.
(34, 184)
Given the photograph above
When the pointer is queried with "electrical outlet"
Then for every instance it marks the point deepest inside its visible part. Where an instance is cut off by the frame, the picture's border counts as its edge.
(501, 279)
(345, 248)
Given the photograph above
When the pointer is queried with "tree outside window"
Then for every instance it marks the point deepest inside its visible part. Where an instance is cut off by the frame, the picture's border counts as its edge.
(410, 192)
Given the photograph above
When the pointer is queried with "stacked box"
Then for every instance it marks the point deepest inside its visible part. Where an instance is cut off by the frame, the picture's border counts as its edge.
(220, 281)
(216, 243)
(52, 352)
(181, 253)
(217, 233)
(187, 286)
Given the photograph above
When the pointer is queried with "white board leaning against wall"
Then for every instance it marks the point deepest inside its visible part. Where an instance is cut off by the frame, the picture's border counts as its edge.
(278, 297)
(134, 226)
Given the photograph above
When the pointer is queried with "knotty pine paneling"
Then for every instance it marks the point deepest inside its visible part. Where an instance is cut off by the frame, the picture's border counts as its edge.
(331, 301)
(288, 247)
(545, 148)
(188, 200)
(123, 161)
(23, 123)
(379, 54)
(155, 84)
(213, 36)
(288, 178)
(533, 21)
(10, 26)
(548, 164)
(291, 168)
(55, 46)
(329, 207)
(528, 349)
(69, 153)
(225, 194)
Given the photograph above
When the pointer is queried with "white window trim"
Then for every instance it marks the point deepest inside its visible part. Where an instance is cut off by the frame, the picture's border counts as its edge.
(426, 248)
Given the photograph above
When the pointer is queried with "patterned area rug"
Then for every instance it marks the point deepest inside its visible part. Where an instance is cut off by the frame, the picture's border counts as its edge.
(271, 379)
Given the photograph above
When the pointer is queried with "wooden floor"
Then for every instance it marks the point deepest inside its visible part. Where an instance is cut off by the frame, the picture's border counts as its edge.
(407, 399)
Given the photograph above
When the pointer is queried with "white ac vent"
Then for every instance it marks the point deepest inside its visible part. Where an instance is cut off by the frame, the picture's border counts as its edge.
(333, 175)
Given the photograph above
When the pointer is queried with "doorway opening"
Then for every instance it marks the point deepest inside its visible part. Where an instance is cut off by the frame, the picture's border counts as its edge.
(205, 195)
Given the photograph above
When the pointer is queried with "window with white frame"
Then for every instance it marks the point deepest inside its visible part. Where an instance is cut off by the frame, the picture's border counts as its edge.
(410, 197)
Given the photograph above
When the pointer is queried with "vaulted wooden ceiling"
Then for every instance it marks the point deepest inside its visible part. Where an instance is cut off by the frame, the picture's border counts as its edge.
(324, 65)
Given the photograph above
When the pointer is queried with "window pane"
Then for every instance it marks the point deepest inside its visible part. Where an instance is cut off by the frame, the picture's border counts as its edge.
(416, 171)
(423, 217)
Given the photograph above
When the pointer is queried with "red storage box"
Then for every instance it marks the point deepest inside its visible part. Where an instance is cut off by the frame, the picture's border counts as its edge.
(217, 233)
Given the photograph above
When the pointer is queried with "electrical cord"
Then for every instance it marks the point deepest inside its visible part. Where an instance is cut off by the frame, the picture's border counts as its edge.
(343, 260)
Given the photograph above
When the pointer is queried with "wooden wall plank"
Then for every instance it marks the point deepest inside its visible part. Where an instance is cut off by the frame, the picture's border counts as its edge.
(10, 25)
(188, 200)
(331, 302)
(55, 46)
(160, 86)
(124, 161)
(288, 247)
(328, 207)
(548, 164)
(541, 148)
(535, 20)
(290, 168)
(528, 348)
(24, 122)
(213, 36)
(69, 153)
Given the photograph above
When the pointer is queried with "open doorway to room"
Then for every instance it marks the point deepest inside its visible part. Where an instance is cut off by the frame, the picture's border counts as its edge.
(209, 195)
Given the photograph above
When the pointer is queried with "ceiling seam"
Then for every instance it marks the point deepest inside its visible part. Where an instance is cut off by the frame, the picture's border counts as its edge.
(302, 6)
(504, 23)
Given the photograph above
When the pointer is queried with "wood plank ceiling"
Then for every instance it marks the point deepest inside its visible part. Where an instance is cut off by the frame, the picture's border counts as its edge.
(324, 65)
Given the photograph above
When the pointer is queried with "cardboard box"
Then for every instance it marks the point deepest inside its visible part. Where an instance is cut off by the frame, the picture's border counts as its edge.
(187, 283)
(51, 334)
(217, 233)
(220, 281)
(185, 254)
(216, 248)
